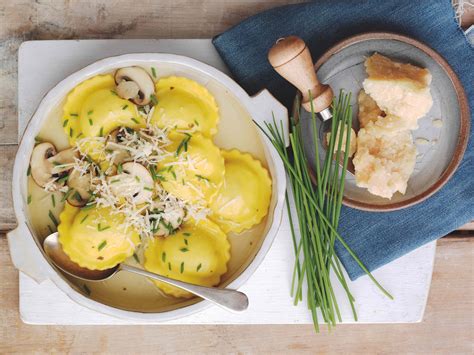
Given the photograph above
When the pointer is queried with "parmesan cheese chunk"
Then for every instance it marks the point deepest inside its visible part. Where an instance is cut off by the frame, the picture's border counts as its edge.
(400, 90)
(383, 163)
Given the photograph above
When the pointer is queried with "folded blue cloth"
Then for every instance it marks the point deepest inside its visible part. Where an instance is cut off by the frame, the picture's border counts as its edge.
(377, 238)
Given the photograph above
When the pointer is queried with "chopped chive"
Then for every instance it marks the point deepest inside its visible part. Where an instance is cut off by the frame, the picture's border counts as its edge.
(153, 72)
(57, 163)
(186, 234)
(79, 135)
(53, 219)
(28, 200)
(101, 229)
(153, 99)
(200, 177)
(183, 144)
(184, 250)
(185, 241)
(137, 178)
(120, 168)
(91, 122)
(51, 230)
(28, 172)
(135, 256)
(181, 268)
(147, 188)
(65, 122)
(199, 267)
(71, 132)
(114, 181)
(53, 200)
(74, 114)
(90, 112)
(67, 194)
(102, 245)
(153, 172)
(63, 179)
(135, 120)
(163, 256)
(113, 92)
(124, 107)
(196, 122)
(84, 219)
(174, 174)
(169, 266)
(87, 289)
(88, 207)
(101, 132)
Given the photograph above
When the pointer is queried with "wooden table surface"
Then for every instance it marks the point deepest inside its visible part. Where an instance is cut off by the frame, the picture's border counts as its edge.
(448, 326)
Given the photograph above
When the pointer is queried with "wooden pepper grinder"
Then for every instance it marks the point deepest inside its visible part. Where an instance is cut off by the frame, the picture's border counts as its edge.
(291, 58)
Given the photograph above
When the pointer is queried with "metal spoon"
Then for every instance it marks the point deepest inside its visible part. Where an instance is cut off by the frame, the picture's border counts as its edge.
(229, 299)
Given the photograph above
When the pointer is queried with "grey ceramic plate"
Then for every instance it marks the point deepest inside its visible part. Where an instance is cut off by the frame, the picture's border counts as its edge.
(440, 149)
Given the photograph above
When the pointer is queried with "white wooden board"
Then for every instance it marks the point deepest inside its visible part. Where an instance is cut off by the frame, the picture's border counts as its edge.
(42, 64)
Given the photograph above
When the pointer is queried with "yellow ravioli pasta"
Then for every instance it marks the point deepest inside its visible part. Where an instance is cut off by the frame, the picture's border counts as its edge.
(244, 198)
(198, 253)
(95, 238)
(185, 104)
(194, 171)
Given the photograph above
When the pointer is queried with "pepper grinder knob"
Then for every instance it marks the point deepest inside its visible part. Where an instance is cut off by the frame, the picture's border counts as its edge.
(291, 58)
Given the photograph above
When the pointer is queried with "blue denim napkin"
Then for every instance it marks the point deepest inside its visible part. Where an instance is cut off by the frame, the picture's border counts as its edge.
(377, 238)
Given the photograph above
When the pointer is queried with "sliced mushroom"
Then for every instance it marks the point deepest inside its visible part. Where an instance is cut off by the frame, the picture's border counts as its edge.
(81, 186)
(170, 220)
(134, 83)
(135, 183)
(46, 164)
(113, 143)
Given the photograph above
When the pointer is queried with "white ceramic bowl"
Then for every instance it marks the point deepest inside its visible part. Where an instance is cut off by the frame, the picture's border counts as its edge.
(237, 107)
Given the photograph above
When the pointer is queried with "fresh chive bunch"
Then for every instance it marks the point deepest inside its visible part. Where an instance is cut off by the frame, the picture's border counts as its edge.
(318, 200)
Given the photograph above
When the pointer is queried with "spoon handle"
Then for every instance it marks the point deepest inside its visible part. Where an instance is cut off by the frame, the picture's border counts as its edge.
(229, 299)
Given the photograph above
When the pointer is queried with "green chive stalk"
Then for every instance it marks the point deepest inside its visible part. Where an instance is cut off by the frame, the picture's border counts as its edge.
(318, 200)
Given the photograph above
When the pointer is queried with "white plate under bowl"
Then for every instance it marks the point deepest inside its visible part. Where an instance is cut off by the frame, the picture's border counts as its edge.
(342, 67)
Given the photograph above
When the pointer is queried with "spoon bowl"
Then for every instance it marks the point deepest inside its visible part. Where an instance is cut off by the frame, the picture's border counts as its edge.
(229, 299)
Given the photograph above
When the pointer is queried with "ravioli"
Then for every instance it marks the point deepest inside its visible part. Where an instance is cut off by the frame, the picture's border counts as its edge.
(185, 104)
(93, 109)
(194, 169)
(198, 253)
(95, 239)
(244, 198)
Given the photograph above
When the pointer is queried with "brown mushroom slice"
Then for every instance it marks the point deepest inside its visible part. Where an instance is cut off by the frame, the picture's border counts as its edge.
(113, 144)
(81, 186)
(142, 80)
(134, 183)
(46, 164)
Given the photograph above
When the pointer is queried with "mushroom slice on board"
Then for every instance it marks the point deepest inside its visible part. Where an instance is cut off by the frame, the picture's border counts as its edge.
(47, 164)
(82, 186)
(135, 183)
(134, 83)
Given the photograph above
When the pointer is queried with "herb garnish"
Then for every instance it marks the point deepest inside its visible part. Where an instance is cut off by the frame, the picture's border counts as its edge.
(135, 120)
(84, 218)
(51, 230)
(135, 256)
(90, 112)
(153, 72)
(87, 289)
(53, 218)
(200, 177)
(74, 114)
(113, 93)
(163, 256)
(28, 172)
(183, 144)
(187, 234)
(101, 132)
(181, 268)
(71, 132)
(199, 267)
(53, 200)
(91, 122)
(184, 250)
(124, 107)
(28, 200)
(67, 194)
(65, 122)
(120, 168)
(101, 229)
(153, 99)
(102, 245)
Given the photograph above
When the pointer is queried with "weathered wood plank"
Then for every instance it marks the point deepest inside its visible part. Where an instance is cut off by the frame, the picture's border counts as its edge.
(447, 327)
(7, 217)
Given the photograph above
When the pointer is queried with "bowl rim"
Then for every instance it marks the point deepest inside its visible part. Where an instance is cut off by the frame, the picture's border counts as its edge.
(56, 93)
(464, 128)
